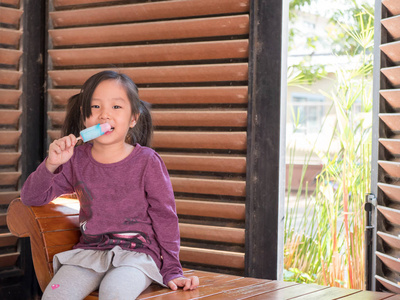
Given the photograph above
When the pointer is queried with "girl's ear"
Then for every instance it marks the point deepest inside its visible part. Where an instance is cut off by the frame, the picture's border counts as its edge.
(133, 121)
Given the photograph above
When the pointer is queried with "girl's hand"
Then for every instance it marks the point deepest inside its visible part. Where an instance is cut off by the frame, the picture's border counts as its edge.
(60, 151)
(189, 283)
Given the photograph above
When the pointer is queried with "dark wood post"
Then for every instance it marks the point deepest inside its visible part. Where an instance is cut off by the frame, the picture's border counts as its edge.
(265, 141)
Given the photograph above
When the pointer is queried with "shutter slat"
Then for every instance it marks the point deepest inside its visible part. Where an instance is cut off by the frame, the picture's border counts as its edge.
(392, 26)
(212, 257)
(180, 118)
(10, 97)
(212, 233)
(200, 140)
(391, 286)
(152, 31)
(9, 117)
(204, 118)
(146, 11)
(188, 95)
(211, 209)
(392, 145)
(10, 37)
(392, 168)
(391, 120)
(10, 15)
(196, 73)
(391, 240)
(60, 3)
(391, 191)
(209, 186)
(9, 159)
(392, 215)
(150, 53)
(9, 178)
(7, 197)
(8, 77)
(393, 6)
(392, 97)
(392, 51)
(392, 74)
(10, 2)
(9, 56)
(389, 261)
(9, 137)
(205, 163)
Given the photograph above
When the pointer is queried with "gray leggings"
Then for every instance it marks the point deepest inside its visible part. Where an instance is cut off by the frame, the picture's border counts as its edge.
(75, 283)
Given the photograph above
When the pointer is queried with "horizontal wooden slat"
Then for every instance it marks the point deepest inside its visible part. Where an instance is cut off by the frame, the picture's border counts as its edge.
(187, 118)
(390, 262)
(392, 215)
(10, 36)
(205, 163)
(62, 206)
(392, 51)
(9, 97)
(9, 137)
(170, 74)
(212, 233)
(7, 197)
(392, 145)
(392, 168)
(200, 140)
(391, 191)
(9, 117)
(14, 3)
(51, 251)
(9, 178)
(392, 96)
(212, 257)
(146, 11)
(391, 286)
(9, 158)
(392, 26)
(208, 186)
(9, 56)
(8, 77)
(8, 259)
(151, 53)
(234, 211)
(202, 118)
(393, 6)
(7, 240)
(60, 3)
(392, 120)
(187, 95)
(3, 219)
(10, 15)
(392, 74)
(152, 31)
(391, 240)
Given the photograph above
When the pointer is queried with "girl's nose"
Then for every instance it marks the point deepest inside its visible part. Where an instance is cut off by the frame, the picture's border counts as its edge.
(105, 114)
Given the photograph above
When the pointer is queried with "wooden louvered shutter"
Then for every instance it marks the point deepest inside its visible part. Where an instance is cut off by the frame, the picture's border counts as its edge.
(189, 59)
(387, 189)
(10, 112)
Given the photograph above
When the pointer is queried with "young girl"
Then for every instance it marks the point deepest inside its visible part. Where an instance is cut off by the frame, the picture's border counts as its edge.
(129, 226)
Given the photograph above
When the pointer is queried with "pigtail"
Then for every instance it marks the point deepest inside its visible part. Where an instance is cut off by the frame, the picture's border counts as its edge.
(73, 120)
(143, 130)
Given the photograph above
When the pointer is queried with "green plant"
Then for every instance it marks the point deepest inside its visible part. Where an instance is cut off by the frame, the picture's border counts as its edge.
(326, 245)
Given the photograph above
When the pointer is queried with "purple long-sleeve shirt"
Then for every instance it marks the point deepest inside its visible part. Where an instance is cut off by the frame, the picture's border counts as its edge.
(129, 203)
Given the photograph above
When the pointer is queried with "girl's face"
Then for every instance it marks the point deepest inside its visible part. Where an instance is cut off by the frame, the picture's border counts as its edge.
(110, 104)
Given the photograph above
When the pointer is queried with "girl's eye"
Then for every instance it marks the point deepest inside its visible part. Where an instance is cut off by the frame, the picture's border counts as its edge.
(95, 106)
(116, 106)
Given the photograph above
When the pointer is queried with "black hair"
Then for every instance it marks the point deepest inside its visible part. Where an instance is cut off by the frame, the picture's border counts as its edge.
(79, 108)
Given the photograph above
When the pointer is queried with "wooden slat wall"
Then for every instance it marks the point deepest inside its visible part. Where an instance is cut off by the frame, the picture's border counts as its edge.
(189, 59)
(10, 112)
(388, 217)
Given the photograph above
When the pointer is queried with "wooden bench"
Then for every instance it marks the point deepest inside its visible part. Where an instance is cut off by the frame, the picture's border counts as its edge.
(54, 228)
